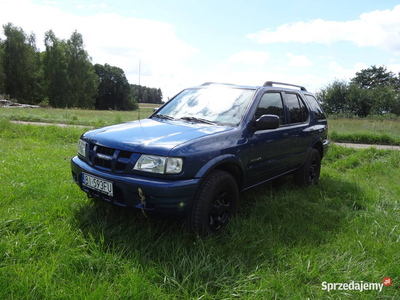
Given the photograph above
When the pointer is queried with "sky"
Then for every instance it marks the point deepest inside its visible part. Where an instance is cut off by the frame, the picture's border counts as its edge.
(176, 44)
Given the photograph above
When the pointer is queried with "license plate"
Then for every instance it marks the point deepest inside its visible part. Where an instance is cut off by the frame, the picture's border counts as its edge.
(98, 184)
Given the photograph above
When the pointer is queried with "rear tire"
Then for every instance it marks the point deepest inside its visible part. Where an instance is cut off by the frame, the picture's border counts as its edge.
(308, 173)
(215, 203)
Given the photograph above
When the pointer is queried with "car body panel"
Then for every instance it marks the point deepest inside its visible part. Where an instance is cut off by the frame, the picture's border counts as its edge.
(149, 136)
(253, 156)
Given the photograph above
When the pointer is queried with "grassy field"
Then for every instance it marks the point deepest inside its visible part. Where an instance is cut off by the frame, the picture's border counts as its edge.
(75, 116)
(286, 241)
(368, 131)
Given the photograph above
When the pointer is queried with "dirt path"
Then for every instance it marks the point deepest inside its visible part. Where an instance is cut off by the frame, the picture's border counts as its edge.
(49, 124)
(363, 146)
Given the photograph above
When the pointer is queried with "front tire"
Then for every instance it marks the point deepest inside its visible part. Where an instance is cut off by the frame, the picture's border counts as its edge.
(215, 203)
(308, 173)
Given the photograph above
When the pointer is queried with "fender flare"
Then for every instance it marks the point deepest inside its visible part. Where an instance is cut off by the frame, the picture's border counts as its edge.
(219, 160)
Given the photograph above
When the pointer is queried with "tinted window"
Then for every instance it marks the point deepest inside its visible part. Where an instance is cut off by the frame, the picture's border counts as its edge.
(271, 104)
(297, 109)
(316, 108)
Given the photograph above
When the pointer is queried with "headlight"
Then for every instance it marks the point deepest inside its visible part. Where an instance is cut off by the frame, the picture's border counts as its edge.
(82, 148)
(174, 165)
(159, 164)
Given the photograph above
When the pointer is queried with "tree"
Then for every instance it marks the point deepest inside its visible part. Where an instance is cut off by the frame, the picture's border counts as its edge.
(63, 74)
(371, 91)
(114, 89)
(2, 75)
(159, 96)
(56, 80)
(375, 77)
(334, 97)
(145, 97)
(144, 94)
(359, 101)
(383, 88)
(21, 65)
(344, 98)
(83, 80)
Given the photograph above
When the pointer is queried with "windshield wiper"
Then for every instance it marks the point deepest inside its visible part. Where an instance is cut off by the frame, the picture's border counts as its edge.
(198, 120)
(164, 117)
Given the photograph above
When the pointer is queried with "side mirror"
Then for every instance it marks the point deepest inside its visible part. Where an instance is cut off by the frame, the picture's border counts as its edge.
(155, 109)
(267, 122)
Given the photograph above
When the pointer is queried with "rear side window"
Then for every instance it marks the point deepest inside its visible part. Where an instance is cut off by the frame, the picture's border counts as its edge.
(315, 107)
(297, 109)
(271, 104)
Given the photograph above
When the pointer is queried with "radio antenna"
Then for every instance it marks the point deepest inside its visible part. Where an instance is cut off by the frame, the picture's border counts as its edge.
(140, 62)
(139, 95)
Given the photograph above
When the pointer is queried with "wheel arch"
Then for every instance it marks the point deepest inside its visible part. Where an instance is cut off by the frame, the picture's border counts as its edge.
(228, 163)
(319, 147)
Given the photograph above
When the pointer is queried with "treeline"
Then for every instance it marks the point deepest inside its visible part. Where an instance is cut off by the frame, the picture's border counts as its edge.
(145, 94)
(373, 91)
(63, 76)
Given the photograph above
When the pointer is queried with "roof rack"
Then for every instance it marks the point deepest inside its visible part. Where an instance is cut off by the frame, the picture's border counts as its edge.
(271, 83)
(211, 83)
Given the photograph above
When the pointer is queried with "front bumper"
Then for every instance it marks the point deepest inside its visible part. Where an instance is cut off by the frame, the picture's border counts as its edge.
(165, 197)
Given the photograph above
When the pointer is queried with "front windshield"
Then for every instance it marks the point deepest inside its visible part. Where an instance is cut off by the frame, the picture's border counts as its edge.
(220, 105)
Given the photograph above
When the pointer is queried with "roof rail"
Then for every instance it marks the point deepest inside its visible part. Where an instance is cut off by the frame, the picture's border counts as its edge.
(211, 83)
(271, 83)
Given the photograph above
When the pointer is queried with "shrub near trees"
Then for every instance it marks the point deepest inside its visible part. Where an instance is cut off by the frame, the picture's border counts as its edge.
(373, 91)
(63, 75)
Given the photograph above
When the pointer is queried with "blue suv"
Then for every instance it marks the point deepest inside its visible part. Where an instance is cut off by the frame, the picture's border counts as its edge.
(193, 155)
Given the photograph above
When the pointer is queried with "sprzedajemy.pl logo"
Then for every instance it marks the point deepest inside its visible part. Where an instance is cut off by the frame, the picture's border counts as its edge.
(356, 286)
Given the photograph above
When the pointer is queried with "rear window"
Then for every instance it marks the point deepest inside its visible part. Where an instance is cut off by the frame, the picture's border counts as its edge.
(297, 109)
(315, 107)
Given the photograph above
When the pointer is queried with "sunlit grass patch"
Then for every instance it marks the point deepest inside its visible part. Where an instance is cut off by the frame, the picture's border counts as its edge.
(55, 243)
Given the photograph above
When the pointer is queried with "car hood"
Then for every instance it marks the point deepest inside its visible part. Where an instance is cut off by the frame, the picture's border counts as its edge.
(150, 136)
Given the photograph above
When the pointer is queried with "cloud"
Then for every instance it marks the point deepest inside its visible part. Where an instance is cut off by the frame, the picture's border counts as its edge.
(395, 68)
(91, 6)
(336, 71)
(242, 61)
(299, 61)
(377, 28)
(51, 2)
(110, 38)
(250, 57)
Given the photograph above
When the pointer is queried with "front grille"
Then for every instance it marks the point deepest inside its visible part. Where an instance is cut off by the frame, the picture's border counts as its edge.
(108, 159)
(105, 150)
(104, 163)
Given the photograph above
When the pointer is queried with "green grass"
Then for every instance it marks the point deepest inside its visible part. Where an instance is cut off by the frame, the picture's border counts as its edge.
(57, 244)
(368, 131)
(75, 116)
